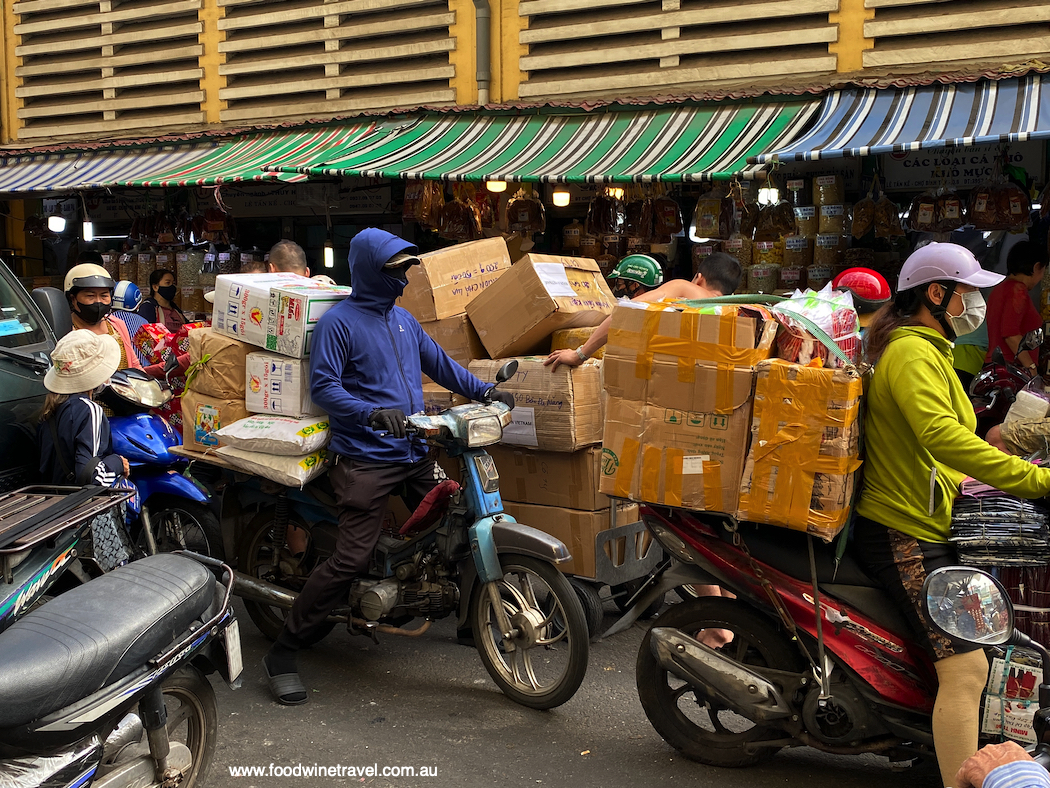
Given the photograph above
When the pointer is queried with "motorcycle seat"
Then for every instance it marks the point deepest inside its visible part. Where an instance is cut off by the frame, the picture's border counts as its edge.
(97, 633)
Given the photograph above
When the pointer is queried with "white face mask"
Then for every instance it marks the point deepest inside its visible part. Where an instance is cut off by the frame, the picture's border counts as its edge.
(972, 315)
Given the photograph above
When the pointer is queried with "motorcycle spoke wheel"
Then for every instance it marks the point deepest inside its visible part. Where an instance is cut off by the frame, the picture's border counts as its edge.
(543, 665)
(192, 720)
(700, 728)
(180, 524)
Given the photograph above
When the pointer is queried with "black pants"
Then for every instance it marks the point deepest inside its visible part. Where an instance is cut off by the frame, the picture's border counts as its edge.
(361, 490)
(900, 563)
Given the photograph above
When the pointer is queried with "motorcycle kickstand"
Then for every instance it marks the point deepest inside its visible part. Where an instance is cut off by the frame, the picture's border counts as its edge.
(369, 630)
(147, 529)
(508, 632)
(154, 717)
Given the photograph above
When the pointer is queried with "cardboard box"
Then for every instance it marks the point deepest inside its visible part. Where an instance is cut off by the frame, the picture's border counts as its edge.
(449, 279)
(572, 338)
(568, 480)
(458, 338)
(678, 412)
(278, 384)
(203, 415)
(801, 471)
(577, 530)
(277, 312)
(539, 295)
(553, 411)
(220, 364)
(437, 399)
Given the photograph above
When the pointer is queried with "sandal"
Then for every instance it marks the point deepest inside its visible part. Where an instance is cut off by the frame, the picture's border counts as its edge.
(286, 688)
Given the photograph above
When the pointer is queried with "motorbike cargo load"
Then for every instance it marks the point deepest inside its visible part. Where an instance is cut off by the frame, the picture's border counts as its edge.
(217, 364)
(801, 470)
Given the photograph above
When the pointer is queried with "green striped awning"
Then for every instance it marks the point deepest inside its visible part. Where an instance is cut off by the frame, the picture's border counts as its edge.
(663, 144)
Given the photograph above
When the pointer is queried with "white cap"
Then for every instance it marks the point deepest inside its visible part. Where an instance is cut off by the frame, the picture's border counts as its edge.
(939, 262)
(81, 361)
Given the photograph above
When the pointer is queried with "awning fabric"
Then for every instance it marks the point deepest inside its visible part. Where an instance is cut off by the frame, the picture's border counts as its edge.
(858, 122)
(663, 144)
(68, 171)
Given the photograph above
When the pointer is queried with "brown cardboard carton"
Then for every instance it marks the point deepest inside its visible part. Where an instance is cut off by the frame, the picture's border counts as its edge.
(801, 471)
(539, 295)
(220, 364)
(203, 415)
(678, 413)
(553, 411)
(569, 480)
(449, 279)
(436, 399)
(572, 338)
(458, 338)
(577, 530)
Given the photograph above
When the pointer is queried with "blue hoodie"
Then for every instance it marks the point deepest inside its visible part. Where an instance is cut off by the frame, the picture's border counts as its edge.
(367, 353)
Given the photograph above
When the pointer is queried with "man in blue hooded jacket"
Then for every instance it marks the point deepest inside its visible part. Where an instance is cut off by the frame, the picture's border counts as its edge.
(367, 361)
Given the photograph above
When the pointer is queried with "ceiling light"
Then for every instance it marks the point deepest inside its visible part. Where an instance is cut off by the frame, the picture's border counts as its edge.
(329, 254)
(496, 186)
(561, 198)
(56, 223)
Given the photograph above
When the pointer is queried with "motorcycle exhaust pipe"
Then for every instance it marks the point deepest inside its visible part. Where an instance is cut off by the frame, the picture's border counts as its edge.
(719, 678)
(248, 587)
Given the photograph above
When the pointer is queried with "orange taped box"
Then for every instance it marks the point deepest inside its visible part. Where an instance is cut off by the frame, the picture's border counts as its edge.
(801, 472)
(553, 411)
(572, 338)
(449, 279)
(577, 530)
(679, 382)
(540, 294)
(566, 479)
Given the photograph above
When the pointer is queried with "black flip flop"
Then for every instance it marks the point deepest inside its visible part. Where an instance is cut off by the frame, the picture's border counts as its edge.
(284, 685)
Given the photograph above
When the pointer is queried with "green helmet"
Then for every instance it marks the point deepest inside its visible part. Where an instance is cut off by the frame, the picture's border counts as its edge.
(640, 268)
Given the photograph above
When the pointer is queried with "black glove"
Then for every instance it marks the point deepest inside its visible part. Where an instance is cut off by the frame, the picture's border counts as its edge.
(391, 420)
(495, 395)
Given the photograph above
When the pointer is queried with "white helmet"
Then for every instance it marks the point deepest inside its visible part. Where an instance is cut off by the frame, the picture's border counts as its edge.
(87, 275)
(944, 262)
(126, 296)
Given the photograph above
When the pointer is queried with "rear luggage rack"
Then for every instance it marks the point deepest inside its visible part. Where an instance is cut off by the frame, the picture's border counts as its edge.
(32, 514)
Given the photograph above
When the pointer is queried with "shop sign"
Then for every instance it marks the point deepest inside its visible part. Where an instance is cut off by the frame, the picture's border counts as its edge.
(306, 199)
(960, 168)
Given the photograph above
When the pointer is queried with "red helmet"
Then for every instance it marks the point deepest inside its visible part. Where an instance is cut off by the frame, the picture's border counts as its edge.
(869, 288)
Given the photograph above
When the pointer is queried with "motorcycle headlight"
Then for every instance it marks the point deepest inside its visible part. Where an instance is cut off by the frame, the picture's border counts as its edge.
(484, 431)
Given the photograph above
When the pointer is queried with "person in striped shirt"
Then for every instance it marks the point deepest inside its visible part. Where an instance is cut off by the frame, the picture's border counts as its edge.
(1005, 765)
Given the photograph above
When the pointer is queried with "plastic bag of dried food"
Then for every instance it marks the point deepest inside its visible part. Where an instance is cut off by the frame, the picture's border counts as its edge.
(949, 213)
(667, 219)
(412, 208)
(922, 212)
(833, 311)
(863, 220)
(486, 205)
(638, 221)
(606, 213)
(775, 221)
(887, 219)
(459, 220)
(525, 214)
(713, 217)
(1001, 205)
(433, 204)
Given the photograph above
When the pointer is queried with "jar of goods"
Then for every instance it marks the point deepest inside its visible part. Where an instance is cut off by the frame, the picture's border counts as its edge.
(590, 246)
(829, 250)
(637, 245)
(768, 253)
(828, 190)
(128, 267)
(741, 248)
(229, 263)
(763, 277)
(798, 193)
(791, 277)
(166, 260)
(806, 220)
(832, 219)
(111, 262)
(817, 276)
(798, 251)
(570, 236)
(701, 252)
(145, 264)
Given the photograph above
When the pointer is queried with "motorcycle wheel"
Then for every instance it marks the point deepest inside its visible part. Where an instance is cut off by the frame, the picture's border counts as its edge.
(593, 610)
(549, 658)
(180, 524)
(700, 729)
(192, 720)
(256, 559)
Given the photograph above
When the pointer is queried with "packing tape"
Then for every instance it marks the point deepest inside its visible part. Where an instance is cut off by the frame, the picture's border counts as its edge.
(673, 482)
(713, 486)
(625, 472)
(650, 481)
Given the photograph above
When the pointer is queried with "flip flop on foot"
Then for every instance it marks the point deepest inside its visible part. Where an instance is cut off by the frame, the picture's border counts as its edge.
(286, 688)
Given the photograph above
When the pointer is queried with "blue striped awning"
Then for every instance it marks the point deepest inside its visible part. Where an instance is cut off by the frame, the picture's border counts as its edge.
(859, 122)
(68, 171)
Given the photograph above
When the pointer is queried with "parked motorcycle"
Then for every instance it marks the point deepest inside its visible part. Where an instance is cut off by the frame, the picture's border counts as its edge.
(176, 507)
(853, 681)
(105, 684)
(459, 553)
(995, 387)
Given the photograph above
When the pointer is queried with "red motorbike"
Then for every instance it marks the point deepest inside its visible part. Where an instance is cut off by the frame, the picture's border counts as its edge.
(995, 387)
(851, 681)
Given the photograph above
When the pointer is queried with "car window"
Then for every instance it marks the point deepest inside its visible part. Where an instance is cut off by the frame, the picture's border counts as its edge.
(19, 325)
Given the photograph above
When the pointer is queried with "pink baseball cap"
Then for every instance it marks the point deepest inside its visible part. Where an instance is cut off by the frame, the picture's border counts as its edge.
(939, 262)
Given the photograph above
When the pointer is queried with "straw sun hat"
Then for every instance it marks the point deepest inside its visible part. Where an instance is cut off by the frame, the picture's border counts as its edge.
(81, 361)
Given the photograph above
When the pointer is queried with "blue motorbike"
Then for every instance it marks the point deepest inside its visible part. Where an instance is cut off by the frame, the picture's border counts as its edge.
(458, 554)
(176, 509)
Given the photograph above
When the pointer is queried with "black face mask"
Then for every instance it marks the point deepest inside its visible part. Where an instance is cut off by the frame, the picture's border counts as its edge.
(400, 273)
(92, 313)
(167, 293)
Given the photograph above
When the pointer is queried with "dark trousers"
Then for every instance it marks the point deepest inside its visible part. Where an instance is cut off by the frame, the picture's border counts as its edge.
(361, 490)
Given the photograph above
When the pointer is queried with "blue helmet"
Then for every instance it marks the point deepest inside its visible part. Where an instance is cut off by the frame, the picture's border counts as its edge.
(127, 296)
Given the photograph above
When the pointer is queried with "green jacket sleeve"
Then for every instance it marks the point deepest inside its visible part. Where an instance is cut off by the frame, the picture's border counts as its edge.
(922, 393)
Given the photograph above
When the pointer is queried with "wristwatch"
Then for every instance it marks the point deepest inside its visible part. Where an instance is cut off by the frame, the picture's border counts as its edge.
(579, 352)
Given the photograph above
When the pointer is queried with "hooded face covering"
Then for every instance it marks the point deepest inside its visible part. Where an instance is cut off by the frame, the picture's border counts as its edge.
(92, 313)
(375, 286)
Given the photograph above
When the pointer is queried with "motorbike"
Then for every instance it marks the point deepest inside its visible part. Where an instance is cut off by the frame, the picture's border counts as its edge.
(106, 684)
(851, 680)
(177, 512)
(458, 553)
(995, 387)
(967, 605)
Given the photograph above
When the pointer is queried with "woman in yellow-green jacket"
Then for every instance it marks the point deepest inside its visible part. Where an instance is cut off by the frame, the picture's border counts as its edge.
(919, 433)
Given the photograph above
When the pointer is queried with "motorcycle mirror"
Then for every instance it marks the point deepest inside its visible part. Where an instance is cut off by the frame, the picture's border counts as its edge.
(1032, 339)
(506, 372)
(969, 606)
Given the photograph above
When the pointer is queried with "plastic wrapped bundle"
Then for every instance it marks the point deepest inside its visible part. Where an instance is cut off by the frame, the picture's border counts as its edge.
(997, 529)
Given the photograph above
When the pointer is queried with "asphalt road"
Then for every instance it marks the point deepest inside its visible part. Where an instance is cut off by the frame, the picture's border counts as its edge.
(429, 702)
